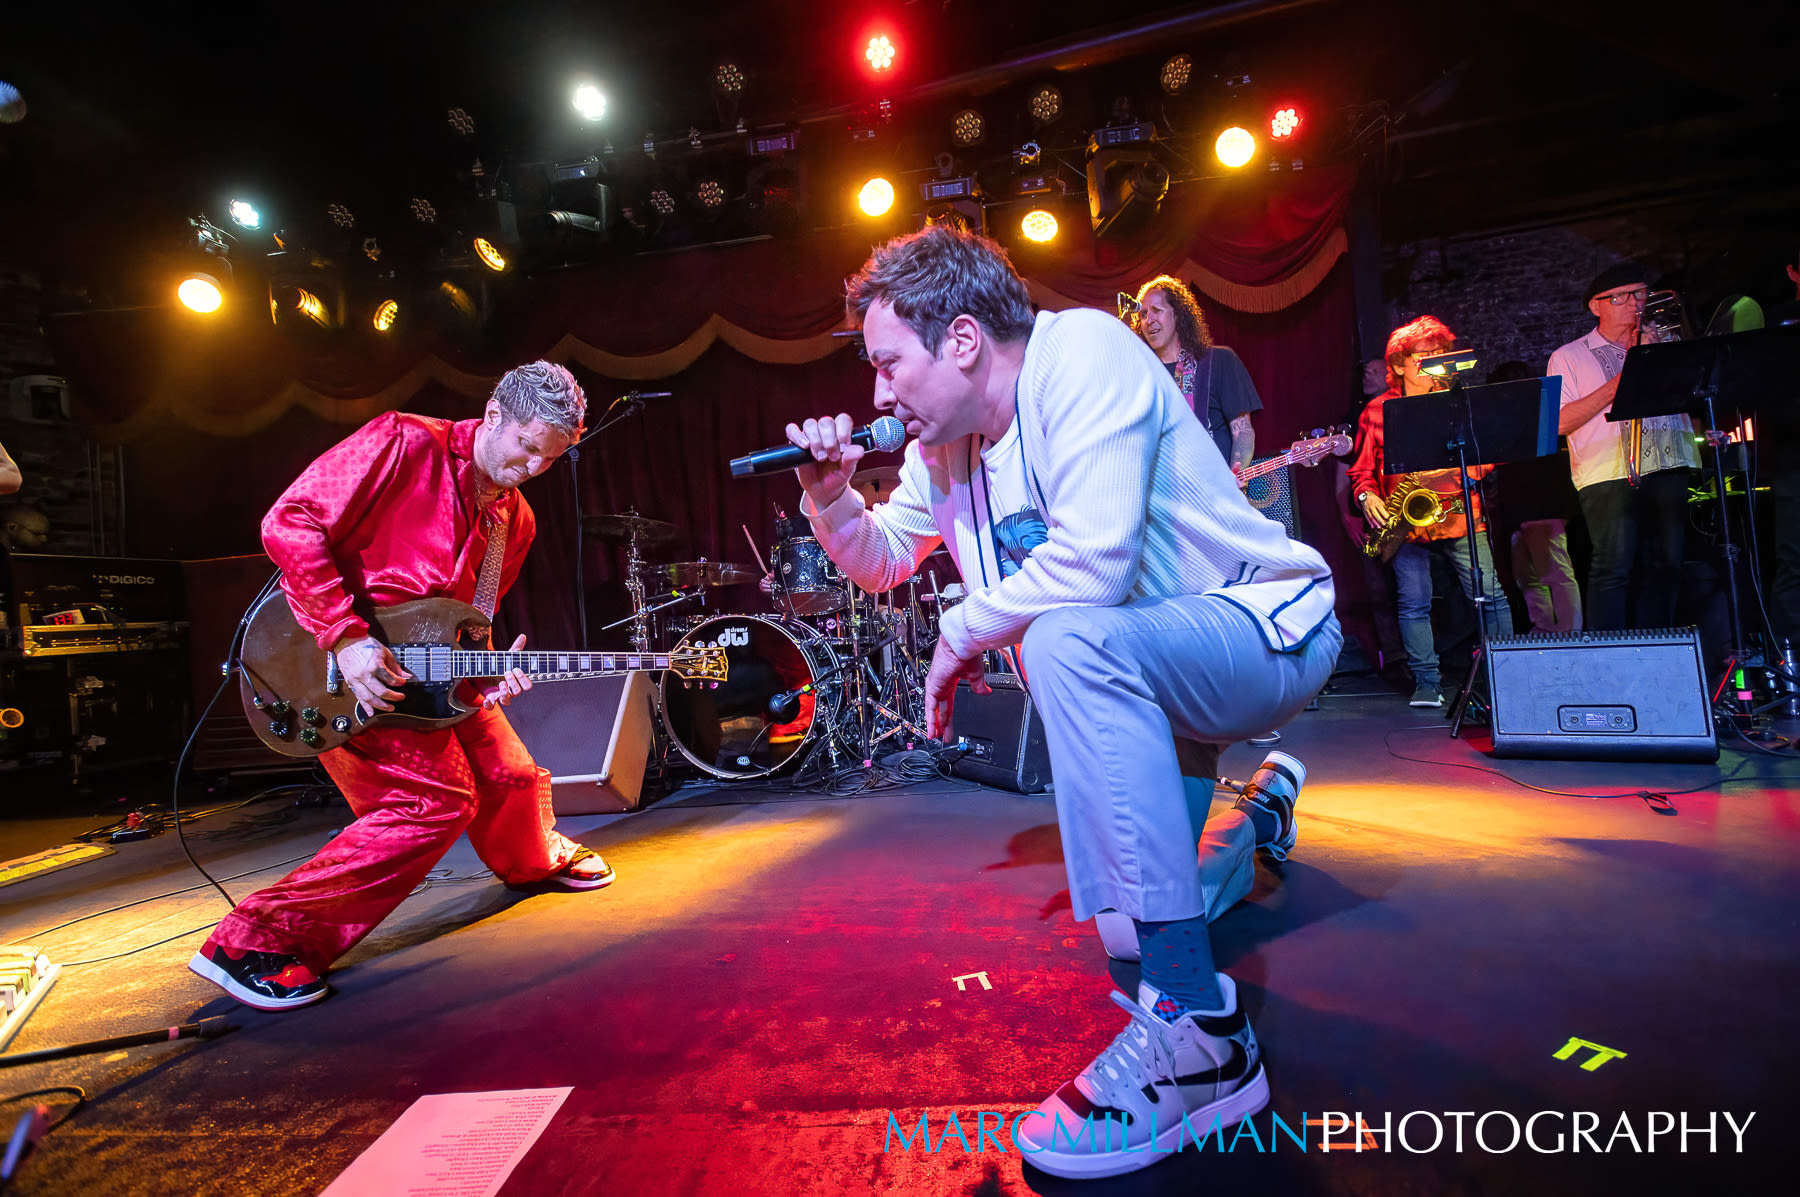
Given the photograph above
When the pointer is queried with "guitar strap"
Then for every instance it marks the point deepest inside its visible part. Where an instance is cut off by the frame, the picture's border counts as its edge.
(487, 583)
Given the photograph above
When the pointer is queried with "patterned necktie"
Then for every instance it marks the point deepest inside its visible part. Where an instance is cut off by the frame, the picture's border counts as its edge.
(487, 584)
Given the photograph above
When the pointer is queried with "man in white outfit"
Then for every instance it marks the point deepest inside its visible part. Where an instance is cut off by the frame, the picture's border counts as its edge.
(1096, 527)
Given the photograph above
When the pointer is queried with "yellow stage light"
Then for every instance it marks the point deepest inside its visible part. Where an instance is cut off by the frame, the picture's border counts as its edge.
(311, 305)
(386, 314)
(1038, 225)
(876, 196)
(200, 292)
(1235, 147)
(490, 257)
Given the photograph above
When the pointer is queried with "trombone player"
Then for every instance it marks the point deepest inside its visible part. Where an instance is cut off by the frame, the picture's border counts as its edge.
(1426, 517)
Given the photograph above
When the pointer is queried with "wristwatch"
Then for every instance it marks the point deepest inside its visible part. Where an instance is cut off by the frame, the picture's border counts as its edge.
(1361, 495)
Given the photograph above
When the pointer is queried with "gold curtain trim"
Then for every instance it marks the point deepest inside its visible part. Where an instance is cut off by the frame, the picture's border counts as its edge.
(1242, 297)
(475, 386)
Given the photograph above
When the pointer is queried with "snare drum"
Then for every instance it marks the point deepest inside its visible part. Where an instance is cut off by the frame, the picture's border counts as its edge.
(743, 729)
(810, 582)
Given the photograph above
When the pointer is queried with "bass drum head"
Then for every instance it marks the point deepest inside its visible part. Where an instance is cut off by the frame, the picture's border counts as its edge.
(731, 731)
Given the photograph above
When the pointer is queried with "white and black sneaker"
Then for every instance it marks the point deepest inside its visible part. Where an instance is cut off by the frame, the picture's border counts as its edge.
(1275, 787)
(1159, 1088)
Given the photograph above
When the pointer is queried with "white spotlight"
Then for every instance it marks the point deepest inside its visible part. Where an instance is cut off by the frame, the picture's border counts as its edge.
(244, 215)
(589, 102)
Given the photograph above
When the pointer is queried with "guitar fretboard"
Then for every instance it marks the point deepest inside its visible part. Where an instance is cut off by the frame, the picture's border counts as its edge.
(432, 663)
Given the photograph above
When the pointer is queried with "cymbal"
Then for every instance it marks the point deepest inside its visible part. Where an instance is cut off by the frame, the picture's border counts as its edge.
(621, 527)
(875, 484)
(706, 573)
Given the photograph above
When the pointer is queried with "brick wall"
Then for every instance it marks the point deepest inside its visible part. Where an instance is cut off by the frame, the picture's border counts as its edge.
(1517, 296)
(70, 477)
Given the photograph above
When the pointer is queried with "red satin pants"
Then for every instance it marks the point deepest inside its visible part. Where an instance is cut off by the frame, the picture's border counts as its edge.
(413, 793)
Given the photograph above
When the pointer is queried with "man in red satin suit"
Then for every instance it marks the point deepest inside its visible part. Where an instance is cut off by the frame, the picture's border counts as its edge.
(403, 509)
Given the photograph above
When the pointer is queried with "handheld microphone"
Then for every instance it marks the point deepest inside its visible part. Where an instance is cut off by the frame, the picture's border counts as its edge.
(883, 435)
(649, 394)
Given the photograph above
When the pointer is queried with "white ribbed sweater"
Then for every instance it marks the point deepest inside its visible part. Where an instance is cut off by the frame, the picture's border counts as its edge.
(1138, 502)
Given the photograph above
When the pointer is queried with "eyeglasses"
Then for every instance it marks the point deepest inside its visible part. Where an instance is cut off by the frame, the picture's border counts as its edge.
(1636, 294)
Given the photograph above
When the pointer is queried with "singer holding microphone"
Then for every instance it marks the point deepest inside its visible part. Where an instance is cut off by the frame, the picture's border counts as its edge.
(1096, 526)
(1631, 476)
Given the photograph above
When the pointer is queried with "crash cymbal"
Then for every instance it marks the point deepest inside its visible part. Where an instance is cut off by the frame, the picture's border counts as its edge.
(621, 527)
(875, 484)
(706, 573)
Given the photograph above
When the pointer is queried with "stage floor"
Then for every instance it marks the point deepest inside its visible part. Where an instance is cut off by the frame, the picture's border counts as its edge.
(772, 978)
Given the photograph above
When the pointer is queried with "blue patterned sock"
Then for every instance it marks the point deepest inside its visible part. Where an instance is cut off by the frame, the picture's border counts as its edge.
(1177, 962)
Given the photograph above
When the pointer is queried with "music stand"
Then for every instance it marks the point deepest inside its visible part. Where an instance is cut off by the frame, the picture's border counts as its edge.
(1680, 377)
(1463, 426)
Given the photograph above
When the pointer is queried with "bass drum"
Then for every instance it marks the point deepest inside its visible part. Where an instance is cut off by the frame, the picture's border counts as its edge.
(751, 724)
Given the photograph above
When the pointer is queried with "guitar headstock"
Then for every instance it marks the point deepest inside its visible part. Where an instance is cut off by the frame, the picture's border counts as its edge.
(700, 664)
(1310, 451)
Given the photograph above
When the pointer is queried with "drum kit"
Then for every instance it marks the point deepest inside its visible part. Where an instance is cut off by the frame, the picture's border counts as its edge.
(825, 673)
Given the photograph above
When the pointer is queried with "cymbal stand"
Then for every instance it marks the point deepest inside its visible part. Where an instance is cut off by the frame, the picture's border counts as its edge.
(634, 585)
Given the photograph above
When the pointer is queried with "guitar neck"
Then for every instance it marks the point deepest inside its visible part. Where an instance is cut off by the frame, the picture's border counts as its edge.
(1252, 472)
(440, 664)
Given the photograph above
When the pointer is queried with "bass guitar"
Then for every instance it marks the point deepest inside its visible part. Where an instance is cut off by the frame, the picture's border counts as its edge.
(1309, 451)
(299, 704)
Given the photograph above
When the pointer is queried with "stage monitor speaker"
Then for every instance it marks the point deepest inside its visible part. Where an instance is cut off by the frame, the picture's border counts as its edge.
(1004, 736)
(1602, 696)
(594, 736)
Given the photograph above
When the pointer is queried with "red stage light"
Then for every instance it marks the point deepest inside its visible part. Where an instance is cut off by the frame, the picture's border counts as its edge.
(1285, 122)
(879, 53)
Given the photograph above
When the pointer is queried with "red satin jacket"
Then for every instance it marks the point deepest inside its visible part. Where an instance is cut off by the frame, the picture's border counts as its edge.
(388, 514)
(1368, 464)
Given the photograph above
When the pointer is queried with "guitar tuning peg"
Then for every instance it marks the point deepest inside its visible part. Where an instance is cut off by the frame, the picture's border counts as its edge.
(1317, 432)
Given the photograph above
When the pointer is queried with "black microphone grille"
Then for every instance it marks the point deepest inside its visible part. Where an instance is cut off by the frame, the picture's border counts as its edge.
(887, 434)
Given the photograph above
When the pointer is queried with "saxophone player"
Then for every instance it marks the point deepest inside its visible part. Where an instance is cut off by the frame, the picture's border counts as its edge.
(1444, 535)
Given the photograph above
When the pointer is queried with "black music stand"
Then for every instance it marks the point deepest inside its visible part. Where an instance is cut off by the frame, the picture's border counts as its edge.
(1463, 426)
(1749, 369)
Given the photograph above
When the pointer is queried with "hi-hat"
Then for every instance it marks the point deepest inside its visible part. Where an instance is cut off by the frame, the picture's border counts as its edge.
(705, 573)
(623, 527)
(875, 484)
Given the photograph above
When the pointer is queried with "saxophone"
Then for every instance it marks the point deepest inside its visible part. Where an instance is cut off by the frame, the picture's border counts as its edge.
(1409, 505)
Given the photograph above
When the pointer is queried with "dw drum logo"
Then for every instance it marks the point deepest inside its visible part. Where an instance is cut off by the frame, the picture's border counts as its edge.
(734, 638)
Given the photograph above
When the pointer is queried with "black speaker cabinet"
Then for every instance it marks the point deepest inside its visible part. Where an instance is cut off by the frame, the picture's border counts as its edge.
(1004, 736)
(594, 736)
(1602, 696)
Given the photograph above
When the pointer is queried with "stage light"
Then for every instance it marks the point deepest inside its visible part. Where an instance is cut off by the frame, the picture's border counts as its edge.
(371, 249)
(1125, 190)
(340, 216)
(201, 292)
(1038, 225)
(1285, 122)
(662, 202)
(461, 122)
(589, 102)
(1176, 72)
(422, 210)
(1235, 147)
(876, 197)
(880, 53)
(311, 306)
(490, 256)
(728, 79)
(244, 215)
(711, 194)
(967, 127)
(1046, 104)
(386, 314)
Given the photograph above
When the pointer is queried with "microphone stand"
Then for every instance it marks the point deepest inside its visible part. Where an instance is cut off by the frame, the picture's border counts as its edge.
(1460, 441)
(632, 405)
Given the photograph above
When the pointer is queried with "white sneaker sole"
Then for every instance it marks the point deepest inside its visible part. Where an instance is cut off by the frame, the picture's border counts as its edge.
(218, 976)
(1230, 1110)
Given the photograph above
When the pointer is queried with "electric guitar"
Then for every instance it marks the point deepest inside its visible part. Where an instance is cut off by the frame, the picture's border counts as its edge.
(299, 704)
(1304, 452)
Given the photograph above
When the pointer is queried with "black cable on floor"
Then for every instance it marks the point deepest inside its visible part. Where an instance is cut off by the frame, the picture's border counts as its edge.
(80, 1100)
(1656, 800)
(174, 893)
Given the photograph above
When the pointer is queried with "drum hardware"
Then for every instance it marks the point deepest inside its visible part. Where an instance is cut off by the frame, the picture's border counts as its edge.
(875, 484)
(634, 529)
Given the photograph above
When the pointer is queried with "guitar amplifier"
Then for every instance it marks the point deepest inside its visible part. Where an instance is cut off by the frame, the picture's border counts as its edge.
(594, 736)
(1273, 495)
(1602, 696)
(1003, 735)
